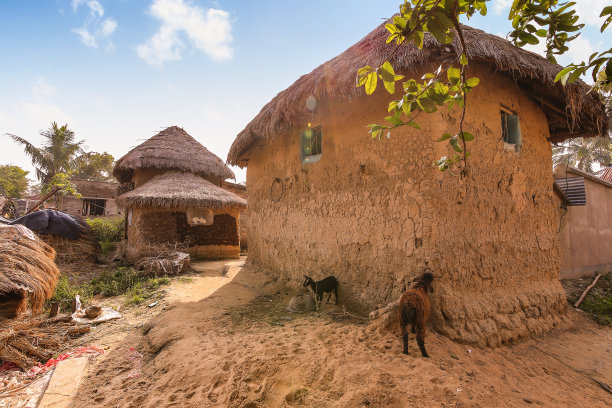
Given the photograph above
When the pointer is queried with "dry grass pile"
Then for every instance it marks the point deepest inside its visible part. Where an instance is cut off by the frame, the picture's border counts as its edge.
(171, 263)
(27, 272)
(86, 247)
(27, 342)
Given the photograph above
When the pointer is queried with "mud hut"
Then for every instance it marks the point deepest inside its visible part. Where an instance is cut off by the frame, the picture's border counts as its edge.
(27, 271)
(326, 199)
(174, 199)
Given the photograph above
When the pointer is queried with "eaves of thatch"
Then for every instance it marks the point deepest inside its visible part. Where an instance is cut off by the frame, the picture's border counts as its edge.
(175, 189)
(571, 111)
(172, 148)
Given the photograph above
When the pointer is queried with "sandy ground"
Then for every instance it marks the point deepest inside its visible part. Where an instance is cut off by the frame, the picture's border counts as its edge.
(227, 341)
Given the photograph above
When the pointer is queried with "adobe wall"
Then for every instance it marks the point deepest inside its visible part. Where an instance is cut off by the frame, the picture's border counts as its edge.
(586, 233)
(375, 213)
(154, 229)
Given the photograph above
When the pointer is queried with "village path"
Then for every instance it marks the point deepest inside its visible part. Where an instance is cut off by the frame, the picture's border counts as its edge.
(237, 346)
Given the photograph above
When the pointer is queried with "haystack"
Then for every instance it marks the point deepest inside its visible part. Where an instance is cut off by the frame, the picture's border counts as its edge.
(27, 271)
(85, 248)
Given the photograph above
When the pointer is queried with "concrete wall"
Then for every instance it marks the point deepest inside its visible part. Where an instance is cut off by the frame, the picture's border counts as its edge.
(586, 233)
(376, 213)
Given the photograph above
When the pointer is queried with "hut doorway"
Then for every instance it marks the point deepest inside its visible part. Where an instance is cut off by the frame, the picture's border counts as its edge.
(94, 206)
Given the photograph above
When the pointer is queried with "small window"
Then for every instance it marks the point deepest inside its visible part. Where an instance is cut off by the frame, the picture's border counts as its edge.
(511, 131)
(93, 206)
(311, 144)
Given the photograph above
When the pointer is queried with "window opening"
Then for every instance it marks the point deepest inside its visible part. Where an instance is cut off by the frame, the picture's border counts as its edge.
(93, 206)
(511, 130)
(310, 151)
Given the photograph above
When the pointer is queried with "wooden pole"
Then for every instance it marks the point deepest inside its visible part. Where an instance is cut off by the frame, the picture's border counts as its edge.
(42, 200)
(587, 290)
(55, 307)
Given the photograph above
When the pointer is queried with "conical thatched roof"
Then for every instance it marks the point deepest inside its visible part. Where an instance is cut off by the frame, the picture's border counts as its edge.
(175, 189)
(172, 148)
(570, 110)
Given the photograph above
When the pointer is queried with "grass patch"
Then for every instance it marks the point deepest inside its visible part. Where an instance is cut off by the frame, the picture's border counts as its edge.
(120, 281)
(598, 302)
(108, 247)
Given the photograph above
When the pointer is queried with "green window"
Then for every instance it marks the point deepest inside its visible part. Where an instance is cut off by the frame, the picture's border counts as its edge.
(310, 144)
(511, 130)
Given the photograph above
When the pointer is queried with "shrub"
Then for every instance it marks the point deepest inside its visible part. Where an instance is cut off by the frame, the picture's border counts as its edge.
(107, 229)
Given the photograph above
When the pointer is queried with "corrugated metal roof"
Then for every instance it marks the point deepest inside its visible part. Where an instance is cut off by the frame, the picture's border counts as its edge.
(573, 189)
(605, 174)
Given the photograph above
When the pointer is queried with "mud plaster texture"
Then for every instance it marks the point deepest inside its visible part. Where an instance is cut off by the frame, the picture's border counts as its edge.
(155, 229)
(376, 213)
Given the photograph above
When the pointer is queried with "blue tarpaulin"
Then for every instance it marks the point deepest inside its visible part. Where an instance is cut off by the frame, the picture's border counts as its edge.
(51, 222)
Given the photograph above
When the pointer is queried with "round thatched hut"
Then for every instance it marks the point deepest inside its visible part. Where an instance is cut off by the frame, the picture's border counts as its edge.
(174, 200)
(387, 214)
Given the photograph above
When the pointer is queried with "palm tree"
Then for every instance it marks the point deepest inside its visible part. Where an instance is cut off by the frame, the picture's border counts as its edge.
(58, 154)
(583, 153)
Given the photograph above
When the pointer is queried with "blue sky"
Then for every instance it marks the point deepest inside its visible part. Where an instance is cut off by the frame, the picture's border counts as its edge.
(118, 71)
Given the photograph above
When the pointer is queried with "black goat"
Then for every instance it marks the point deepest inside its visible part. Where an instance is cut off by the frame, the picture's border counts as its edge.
(327, 285)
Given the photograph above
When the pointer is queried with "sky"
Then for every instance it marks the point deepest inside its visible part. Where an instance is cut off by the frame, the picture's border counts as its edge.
(119, 71)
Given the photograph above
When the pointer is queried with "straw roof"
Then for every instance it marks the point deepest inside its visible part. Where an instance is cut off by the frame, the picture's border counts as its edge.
(172, 148)
(27, 270)
(571, 111)
(175, 189)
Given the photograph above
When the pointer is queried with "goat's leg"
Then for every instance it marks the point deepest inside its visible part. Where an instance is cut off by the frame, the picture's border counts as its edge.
(413, 330)
(404, 339)
(421, 341)
(336, 295)
(328, 297)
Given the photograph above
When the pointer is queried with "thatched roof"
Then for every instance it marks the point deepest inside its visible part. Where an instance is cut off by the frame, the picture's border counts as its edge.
(172, 148)
(571, 111)
(175, 189)
(27, 270)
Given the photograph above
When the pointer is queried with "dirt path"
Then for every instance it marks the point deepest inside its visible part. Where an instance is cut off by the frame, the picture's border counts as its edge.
(238, 347)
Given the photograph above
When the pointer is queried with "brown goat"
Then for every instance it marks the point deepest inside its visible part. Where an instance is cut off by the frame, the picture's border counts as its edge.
(414, 309)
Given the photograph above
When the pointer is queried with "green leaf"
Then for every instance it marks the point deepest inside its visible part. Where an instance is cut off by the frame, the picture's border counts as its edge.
(389, 86)
(467, 136)
(365, 70)
(427, 104)
(370, 83)
(563, 73)
(414, 125)
(444, 137)
(472, 82)
(463, 59)
(443, 20)
(453, 75)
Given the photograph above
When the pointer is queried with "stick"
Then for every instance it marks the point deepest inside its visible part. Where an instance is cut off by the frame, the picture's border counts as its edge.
(587, 290)
(42, 200)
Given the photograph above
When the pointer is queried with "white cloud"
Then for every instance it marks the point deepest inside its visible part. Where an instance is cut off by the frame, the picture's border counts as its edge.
(41, 88)
(95, 29)
(107, 27)
(500, 6)
(41, 110)
(95, 8)
(86, 37)
(207, 30)
(589, 11)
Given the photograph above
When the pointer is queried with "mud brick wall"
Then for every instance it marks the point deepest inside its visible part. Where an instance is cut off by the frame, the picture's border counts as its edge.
(376, 213)
(224, 231)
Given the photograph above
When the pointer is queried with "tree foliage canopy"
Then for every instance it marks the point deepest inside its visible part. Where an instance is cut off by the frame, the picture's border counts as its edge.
(13, 181)
(95, 166)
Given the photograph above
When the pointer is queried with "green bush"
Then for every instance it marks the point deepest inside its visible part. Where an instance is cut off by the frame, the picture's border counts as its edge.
(107, 229)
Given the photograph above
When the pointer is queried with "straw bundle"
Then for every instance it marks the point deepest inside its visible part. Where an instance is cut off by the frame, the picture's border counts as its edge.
(164, 264)
(32, 341)
(27, 271)
(86, 247)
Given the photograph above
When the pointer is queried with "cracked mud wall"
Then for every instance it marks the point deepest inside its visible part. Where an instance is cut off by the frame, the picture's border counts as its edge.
(374, 213)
